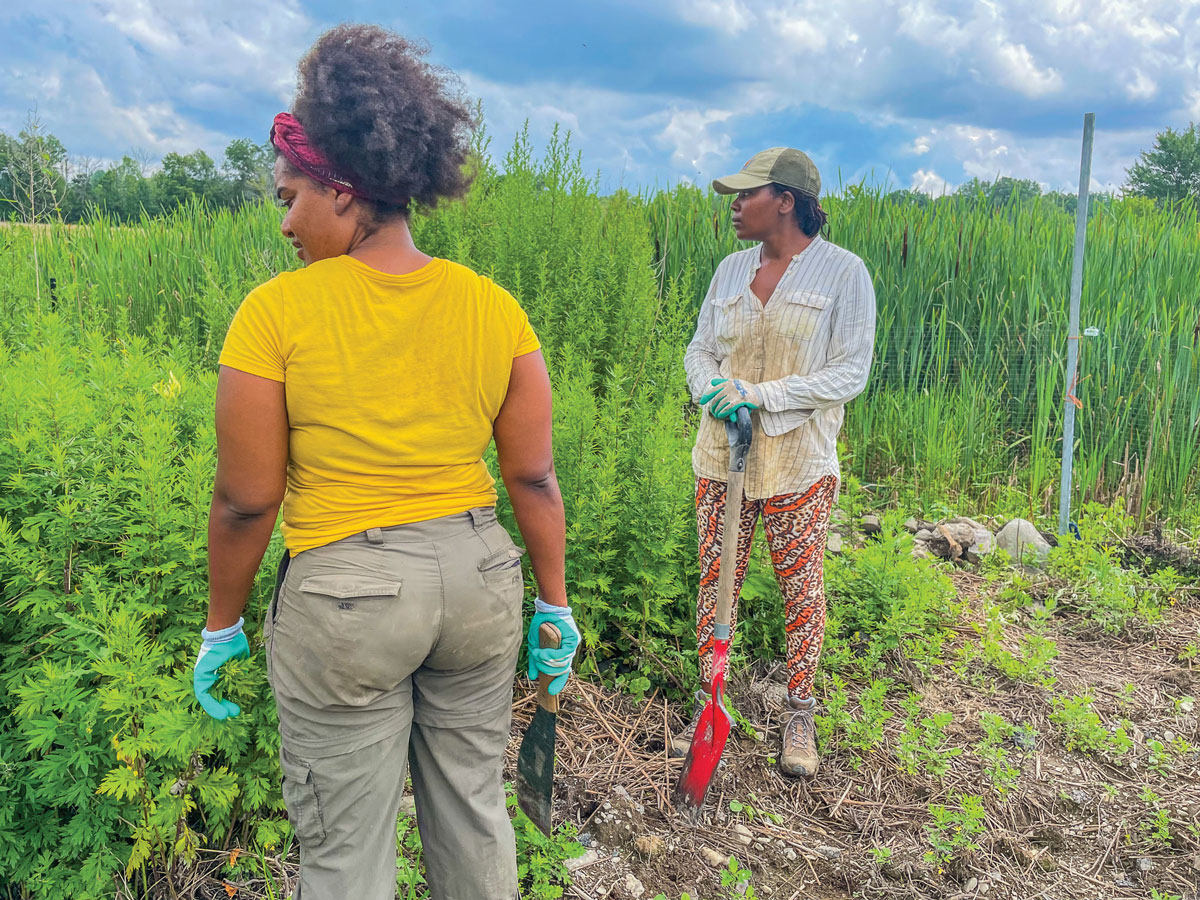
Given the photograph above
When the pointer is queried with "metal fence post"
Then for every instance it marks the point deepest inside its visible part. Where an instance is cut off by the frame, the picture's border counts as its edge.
(1070, 401)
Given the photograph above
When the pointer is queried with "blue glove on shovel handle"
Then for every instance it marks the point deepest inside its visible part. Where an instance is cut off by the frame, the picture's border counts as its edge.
(216, 649)
(557, 661)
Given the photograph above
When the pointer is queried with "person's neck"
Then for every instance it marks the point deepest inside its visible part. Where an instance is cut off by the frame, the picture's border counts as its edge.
(389, 248)
(784, 244)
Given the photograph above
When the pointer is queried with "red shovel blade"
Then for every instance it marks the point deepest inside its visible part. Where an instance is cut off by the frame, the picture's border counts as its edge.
(708, 743)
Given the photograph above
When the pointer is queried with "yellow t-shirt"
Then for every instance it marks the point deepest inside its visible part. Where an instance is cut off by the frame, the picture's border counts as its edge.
(392, 384)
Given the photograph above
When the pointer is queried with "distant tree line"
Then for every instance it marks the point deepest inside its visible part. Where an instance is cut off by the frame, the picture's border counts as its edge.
(40, 182)
(999, 194)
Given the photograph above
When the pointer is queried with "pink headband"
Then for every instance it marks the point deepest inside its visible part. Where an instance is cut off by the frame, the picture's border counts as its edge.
(287, 134)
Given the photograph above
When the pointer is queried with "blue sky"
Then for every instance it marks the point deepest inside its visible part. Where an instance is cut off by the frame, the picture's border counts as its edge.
(912, 93)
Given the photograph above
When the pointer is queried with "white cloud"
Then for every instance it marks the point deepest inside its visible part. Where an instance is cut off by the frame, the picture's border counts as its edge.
(978, 79)
(959, 87)
(1053, 162)
(1018, 70)
(617, 128)
(691, 140)
(930, 182)
(1140, 87)
(734, 16)
(121, 72)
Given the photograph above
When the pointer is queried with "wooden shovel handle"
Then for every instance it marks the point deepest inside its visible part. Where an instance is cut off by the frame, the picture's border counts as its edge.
(740, 435)
(549, 638)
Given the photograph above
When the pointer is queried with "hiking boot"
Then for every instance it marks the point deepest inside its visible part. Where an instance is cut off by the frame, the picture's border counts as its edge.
(799, 756)
(682, 742)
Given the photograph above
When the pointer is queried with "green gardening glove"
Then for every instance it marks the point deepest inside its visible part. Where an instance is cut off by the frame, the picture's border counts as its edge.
(556, 662)
(731, 394)
(216, 649)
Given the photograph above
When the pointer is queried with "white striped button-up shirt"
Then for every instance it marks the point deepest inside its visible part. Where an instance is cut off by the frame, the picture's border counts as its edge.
(807, 350)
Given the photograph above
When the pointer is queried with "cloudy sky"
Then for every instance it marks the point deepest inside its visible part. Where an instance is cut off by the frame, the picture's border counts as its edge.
(911, 93)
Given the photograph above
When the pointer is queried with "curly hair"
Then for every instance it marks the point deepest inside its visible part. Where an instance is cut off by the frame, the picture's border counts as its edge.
(379, 112)
(809, 215)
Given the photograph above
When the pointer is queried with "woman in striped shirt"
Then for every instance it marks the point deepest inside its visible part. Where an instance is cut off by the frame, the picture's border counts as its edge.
(787, 329)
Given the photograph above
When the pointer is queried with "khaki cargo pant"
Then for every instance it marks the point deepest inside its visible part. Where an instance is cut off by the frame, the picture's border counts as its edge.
(391, 646)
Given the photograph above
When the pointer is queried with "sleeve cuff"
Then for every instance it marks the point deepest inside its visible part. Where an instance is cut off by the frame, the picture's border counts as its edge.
(543, 607)
(774, 397)
(223, 634)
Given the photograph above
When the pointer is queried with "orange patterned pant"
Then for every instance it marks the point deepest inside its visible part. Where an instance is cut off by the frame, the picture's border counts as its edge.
(795, 525)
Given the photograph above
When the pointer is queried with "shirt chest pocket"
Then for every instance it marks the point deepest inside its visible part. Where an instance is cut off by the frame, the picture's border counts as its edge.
(728, 318)
(803, 315)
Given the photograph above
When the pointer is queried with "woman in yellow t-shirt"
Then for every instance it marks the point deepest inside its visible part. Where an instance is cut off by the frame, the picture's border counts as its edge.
(361, 392)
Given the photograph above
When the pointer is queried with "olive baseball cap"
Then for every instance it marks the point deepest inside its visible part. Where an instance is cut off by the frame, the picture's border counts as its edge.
(781, 165)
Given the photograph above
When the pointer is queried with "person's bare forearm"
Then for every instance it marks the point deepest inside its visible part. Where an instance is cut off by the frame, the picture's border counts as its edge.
(236, 544)
(538, 507)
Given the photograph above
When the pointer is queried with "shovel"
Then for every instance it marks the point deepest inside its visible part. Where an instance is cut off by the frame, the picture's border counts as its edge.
(712, 731)
(535, 760)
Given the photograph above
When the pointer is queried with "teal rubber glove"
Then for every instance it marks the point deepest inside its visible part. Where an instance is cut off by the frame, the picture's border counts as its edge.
(555, 662)
(731, 394)
(216, 649)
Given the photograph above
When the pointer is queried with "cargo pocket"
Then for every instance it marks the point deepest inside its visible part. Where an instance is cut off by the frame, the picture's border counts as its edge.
(502, 567)
(302, 801)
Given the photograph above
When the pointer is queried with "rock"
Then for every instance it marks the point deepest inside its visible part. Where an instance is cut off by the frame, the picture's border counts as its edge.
(580, 862)
(408, 806)
(617, 822)
(983, 544)
(1121, 881)
(922, 551)
(829, 852)
(790, 855)
(713, 858)
(969, 522)
(1143, 864)
(1187, 705)
(649, 845)
(1019, 537)
(742, 834)
(871, 525)
(833, 543)
(960, 532)
(924, 535)
(942, 544)
(971, 884)
(774, 693)
(838, 516)
(633, 887)
(912, 526)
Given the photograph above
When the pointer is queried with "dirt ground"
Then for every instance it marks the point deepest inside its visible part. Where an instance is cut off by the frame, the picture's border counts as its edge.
(1073, 825)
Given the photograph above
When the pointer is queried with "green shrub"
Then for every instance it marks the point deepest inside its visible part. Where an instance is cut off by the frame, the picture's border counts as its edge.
(110, 765)
(1082, 729)
(954, 828)
(1100, 588)
(882, 599)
